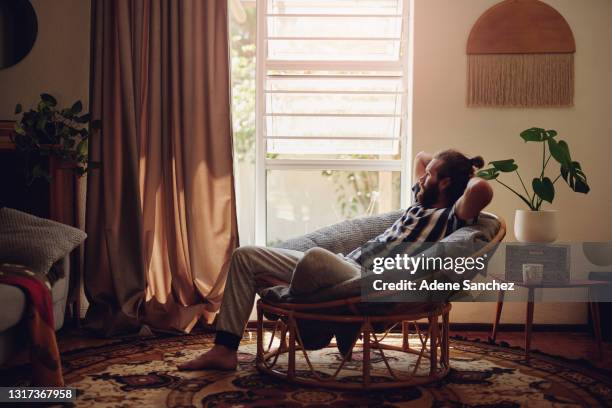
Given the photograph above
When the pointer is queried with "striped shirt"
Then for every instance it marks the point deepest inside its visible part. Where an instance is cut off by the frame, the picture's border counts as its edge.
(418, 224)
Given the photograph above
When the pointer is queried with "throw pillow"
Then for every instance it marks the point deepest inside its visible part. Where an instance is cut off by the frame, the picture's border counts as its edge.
(34, 242)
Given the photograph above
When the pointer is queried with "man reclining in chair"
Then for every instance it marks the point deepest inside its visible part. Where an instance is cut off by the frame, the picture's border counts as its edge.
(447, 197)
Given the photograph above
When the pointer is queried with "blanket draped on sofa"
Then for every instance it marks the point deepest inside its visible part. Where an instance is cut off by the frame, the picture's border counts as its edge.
(38, 320)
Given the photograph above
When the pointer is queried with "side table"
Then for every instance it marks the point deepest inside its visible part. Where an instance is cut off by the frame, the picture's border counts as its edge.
(593, 306)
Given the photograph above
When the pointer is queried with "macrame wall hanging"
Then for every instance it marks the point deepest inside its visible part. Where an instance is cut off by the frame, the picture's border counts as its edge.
(521, 54)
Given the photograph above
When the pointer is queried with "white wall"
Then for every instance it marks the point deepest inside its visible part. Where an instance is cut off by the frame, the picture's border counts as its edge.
(57, 64)
(442, 120)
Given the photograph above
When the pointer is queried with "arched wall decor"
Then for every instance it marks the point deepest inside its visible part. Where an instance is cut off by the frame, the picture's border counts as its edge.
(521, 54)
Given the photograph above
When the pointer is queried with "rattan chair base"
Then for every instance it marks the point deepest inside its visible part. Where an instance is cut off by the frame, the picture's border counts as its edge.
(434, 347)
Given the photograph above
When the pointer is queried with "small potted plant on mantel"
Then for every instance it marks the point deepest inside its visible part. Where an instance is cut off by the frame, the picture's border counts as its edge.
(48, 131)
(536, 224)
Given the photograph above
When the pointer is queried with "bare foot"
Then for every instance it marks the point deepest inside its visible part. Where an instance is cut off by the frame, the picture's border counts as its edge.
(217, 358)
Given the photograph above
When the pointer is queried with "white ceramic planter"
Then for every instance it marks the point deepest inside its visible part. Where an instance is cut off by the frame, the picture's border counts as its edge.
(535, 226)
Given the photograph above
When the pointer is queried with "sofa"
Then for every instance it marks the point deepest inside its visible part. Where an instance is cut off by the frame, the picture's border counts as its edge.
(38, 246)
(13, 336)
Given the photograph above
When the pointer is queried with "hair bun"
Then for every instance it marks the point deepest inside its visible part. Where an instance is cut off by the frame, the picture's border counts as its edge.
(477, 161)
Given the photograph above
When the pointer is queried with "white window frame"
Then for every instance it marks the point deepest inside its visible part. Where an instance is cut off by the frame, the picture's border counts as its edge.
(263, 164)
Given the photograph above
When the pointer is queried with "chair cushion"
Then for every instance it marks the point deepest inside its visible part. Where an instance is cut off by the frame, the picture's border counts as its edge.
(34, 242)
(344, 236)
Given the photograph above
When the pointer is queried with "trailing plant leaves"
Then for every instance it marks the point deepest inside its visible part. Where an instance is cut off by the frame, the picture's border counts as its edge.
(544, 189)
(19, 129)
(505, 166)
(67, 113)
(82, 148)
(77, 107)
(48, 130)
(38, 171)
(84, 118)
(488, 174)
(48, 99)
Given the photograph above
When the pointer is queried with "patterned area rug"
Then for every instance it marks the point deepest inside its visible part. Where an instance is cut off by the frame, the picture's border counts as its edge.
(142, 373)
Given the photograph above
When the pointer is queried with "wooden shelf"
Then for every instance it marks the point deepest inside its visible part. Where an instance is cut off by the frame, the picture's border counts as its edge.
(6, 128)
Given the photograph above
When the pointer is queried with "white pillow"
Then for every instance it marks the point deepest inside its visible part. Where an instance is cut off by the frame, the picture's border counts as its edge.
(34, 242)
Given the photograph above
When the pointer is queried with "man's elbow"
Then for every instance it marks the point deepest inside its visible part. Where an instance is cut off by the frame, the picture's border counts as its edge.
(482, 192)
(477, 196)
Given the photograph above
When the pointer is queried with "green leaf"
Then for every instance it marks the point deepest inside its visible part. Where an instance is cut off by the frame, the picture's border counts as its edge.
(82, 148)
(41, 123)
(67, 113)
(544, 189)
(505, 166)
(488, 174)
(84, 118)
(533, 135)
(19, 129)
(18, 109)
(575, 177)
(565, 149)
(560, 151)
(581, 186)
(77, 107)
(551, 134)
(39, 172)
(537, 134)
(48, 99)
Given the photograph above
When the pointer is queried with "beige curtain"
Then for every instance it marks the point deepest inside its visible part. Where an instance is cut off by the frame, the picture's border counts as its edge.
(161, 213)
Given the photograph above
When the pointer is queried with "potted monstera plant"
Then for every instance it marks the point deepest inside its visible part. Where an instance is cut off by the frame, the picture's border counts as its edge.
(49, 131)
(536, 224)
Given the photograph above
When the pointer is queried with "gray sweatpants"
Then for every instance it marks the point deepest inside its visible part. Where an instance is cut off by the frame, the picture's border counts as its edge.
(254, 268)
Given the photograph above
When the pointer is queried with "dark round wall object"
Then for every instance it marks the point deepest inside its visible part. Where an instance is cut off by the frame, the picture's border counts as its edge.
(18, 30)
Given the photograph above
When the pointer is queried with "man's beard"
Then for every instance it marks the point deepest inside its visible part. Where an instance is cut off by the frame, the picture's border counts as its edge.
(428, 196)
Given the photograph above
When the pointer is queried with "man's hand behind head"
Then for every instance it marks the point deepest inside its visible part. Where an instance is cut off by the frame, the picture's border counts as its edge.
(478, 194)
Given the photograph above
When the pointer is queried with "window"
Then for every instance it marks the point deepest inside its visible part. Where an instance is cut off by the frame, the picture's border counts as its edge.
(331, 112)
